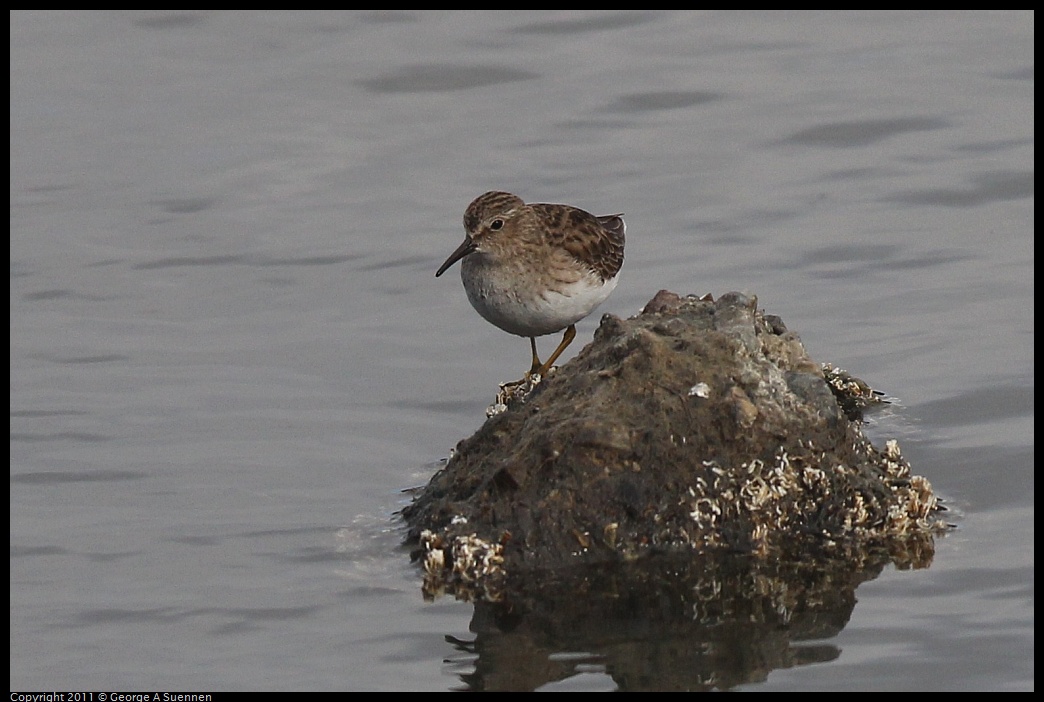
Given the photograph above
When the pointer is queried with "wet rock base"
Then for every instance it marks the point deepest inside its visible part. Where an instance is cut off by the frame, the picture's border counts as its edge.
(698, 426)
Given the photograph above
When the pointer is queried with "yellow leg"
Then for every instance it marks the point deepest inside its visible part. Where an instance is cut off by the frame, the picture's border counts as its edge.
(536, 360)
(570, 334)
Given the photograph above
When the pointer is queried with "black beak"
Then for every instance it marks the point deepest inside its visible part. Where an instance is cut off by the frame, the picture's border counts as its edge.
(463, 250)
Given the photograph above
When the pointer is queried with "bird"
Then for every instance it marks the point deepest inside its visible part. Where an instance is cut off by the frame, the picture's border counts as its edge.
(537, 269)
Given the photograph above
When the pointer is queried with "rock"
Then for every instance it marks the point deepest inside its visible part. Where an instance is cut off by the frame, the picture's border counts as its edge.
(697, 426)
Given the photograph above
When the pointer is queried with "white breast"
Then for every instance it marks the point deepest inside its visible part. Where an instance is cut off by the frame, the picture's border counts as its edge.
(534, 309)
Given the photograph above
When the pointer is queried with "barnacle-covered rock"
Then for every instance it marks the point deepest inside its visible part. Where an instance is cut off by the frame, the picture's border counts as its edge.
(697, 426)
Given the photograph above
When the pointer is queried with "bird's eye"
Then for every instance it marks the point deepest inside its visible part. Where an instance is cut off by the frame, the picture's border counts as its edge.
(496, 224)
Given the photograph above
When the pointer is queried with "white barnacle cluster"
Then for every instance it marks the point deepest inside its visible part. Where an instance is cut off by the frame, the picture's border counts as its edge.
(705, 503)
(475, 559)
(434, 564)
(759, 538)
(434, 553)
(836, 377)
(915, 503)
(914, 500)
(705, 512)
(895, 465)
(921, 500)
(844, 382)
(755, 491)
(815, 479)
(758, 489)
(467, 565)
(516, 392)
(856, 515)
(774, 497)
(767, 485)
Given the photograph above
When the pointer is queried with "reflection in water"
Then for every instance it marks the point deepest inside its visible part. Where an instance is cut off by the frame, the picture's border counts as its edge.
(672, 623)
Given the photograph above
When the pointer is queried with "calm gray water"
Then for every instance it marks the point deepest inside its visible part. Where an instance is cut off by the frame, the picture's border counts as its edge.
(229, 353)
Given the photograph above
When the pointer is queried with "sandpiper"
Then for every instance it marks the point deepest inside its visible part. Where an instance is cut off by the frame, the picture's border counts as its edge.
(537, 269)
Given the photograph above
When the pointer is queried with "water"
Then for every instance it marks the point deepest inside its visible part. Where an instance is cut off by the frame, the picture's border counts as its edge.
(229, 353)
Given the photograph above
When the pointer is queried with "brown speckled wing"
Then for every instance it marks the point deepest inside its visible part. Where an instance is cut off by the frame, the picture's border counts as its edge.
(597, 242)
